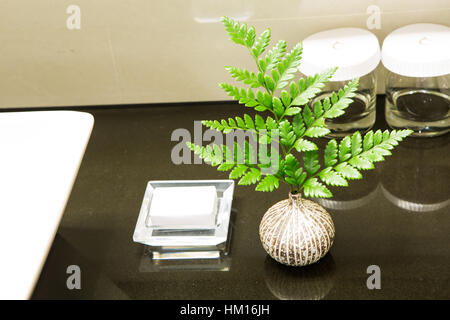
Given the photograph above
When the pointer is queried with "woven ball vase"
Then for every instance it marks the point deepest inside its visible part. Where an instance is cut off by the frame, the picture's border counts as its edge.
(296, 231)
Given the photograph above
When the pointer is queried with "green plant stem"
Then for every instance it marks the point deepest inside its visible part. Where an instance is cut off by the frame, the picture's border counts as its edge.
(260, 70)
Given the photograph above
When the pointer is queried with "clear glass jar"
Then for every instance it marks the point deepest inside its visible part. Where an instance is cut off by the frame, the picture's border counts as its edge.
(421, 104)
(417, 58)
(356, 53)
(360, 114)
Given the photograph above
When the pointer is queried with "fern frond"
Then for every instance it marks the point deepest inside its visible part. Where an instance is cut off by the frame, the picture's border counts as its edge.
(315, 126)
(245, 97)
(288, 66)
(268, 184)
(299, 126)
(330, 154)
(307, 89)
(347, 171)
(302, 145)
(247, 124)
(273, 56)
(314, 119)
(245, 76)
(332, 178)
(241, 161)
(314, 189)
(294, 174)
(311, 162)
(354, 153)
(238, 33)
(342, 99)
(342, 161)
(261, 43)
(251, 177)
(287, 134)
(211, 155)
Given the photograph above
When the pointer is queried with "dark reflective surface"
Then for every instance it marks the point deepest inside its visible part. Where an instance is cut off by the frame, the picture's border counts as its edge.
(375, 221)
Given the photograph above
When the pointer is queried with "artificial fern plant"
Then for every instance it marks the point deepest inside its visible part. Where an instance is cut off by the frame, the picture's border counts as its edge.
(273, 90)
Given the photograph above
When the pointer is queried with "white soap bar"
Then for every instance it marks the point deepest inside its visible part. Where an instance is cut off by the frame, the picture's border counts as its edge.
(184, 206)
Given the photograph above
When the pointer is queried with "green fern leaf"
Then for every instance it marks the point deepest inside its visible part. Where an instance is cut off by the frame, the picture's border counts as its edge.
(285, 98)
(356, 144)
(287, 135)
(250, 39)
(244, 75)
(293, 90)
(249, 122)
(373, 155)
(345, 149)
(238, 171)
(377, 137)
(317, 109)
(251, 177)
(241, 123)
(265, 99)
(269, 82)
(298, 125)
(302, 145)
(316, 84)
(273, 56)
(314, 189)
(376, 146)
(311, 162)
(271, 123)
(308, 116)
(244, 97)
(261, 43)
(292, 111)
(259, 122)
(291, 165)
(225, 167)
(361, 163)
(368, 141)
(288, 66)
(278, 106)
(330, 153)
(347, 171)
(317, 132)
(332, 178)
(268, 184)
(342, 100)
(238, 34)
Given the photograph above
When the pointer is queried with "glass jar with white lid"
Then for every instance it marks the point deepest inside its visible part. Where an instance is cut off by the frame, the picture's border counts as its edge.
(356, 54)
(417, 59)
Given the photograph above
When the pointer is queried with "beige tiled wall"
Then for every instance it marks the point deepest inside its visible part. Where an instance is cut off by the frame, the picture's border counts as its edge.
(141, 51)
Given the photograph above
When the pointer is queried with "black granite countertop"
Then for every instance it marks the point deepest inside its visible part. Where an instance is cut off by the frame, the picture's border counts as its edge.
(398, 218)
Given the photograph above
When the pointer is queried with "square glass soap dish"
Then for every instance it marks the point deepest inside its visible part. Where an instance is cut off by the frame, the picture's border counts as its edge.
(185, 219)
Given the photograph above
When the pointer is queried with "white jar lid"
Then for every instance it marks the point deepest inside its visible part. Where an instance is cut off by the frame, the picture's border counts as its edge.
(418, 50)
(356, 52)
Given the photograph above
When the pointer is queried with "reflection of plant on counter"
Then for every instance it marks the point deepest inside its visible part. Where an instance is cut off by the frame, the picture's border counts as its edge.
(293, 123)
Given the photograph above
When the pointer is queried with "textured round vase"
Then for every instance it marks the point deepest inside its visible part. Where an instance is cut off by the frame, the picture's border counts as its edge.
(296, 231)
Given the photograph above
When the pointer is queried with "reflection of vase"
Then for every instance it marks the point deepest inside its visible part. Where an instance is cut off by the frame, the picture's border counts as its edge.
(296, 231)
(309, 283)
